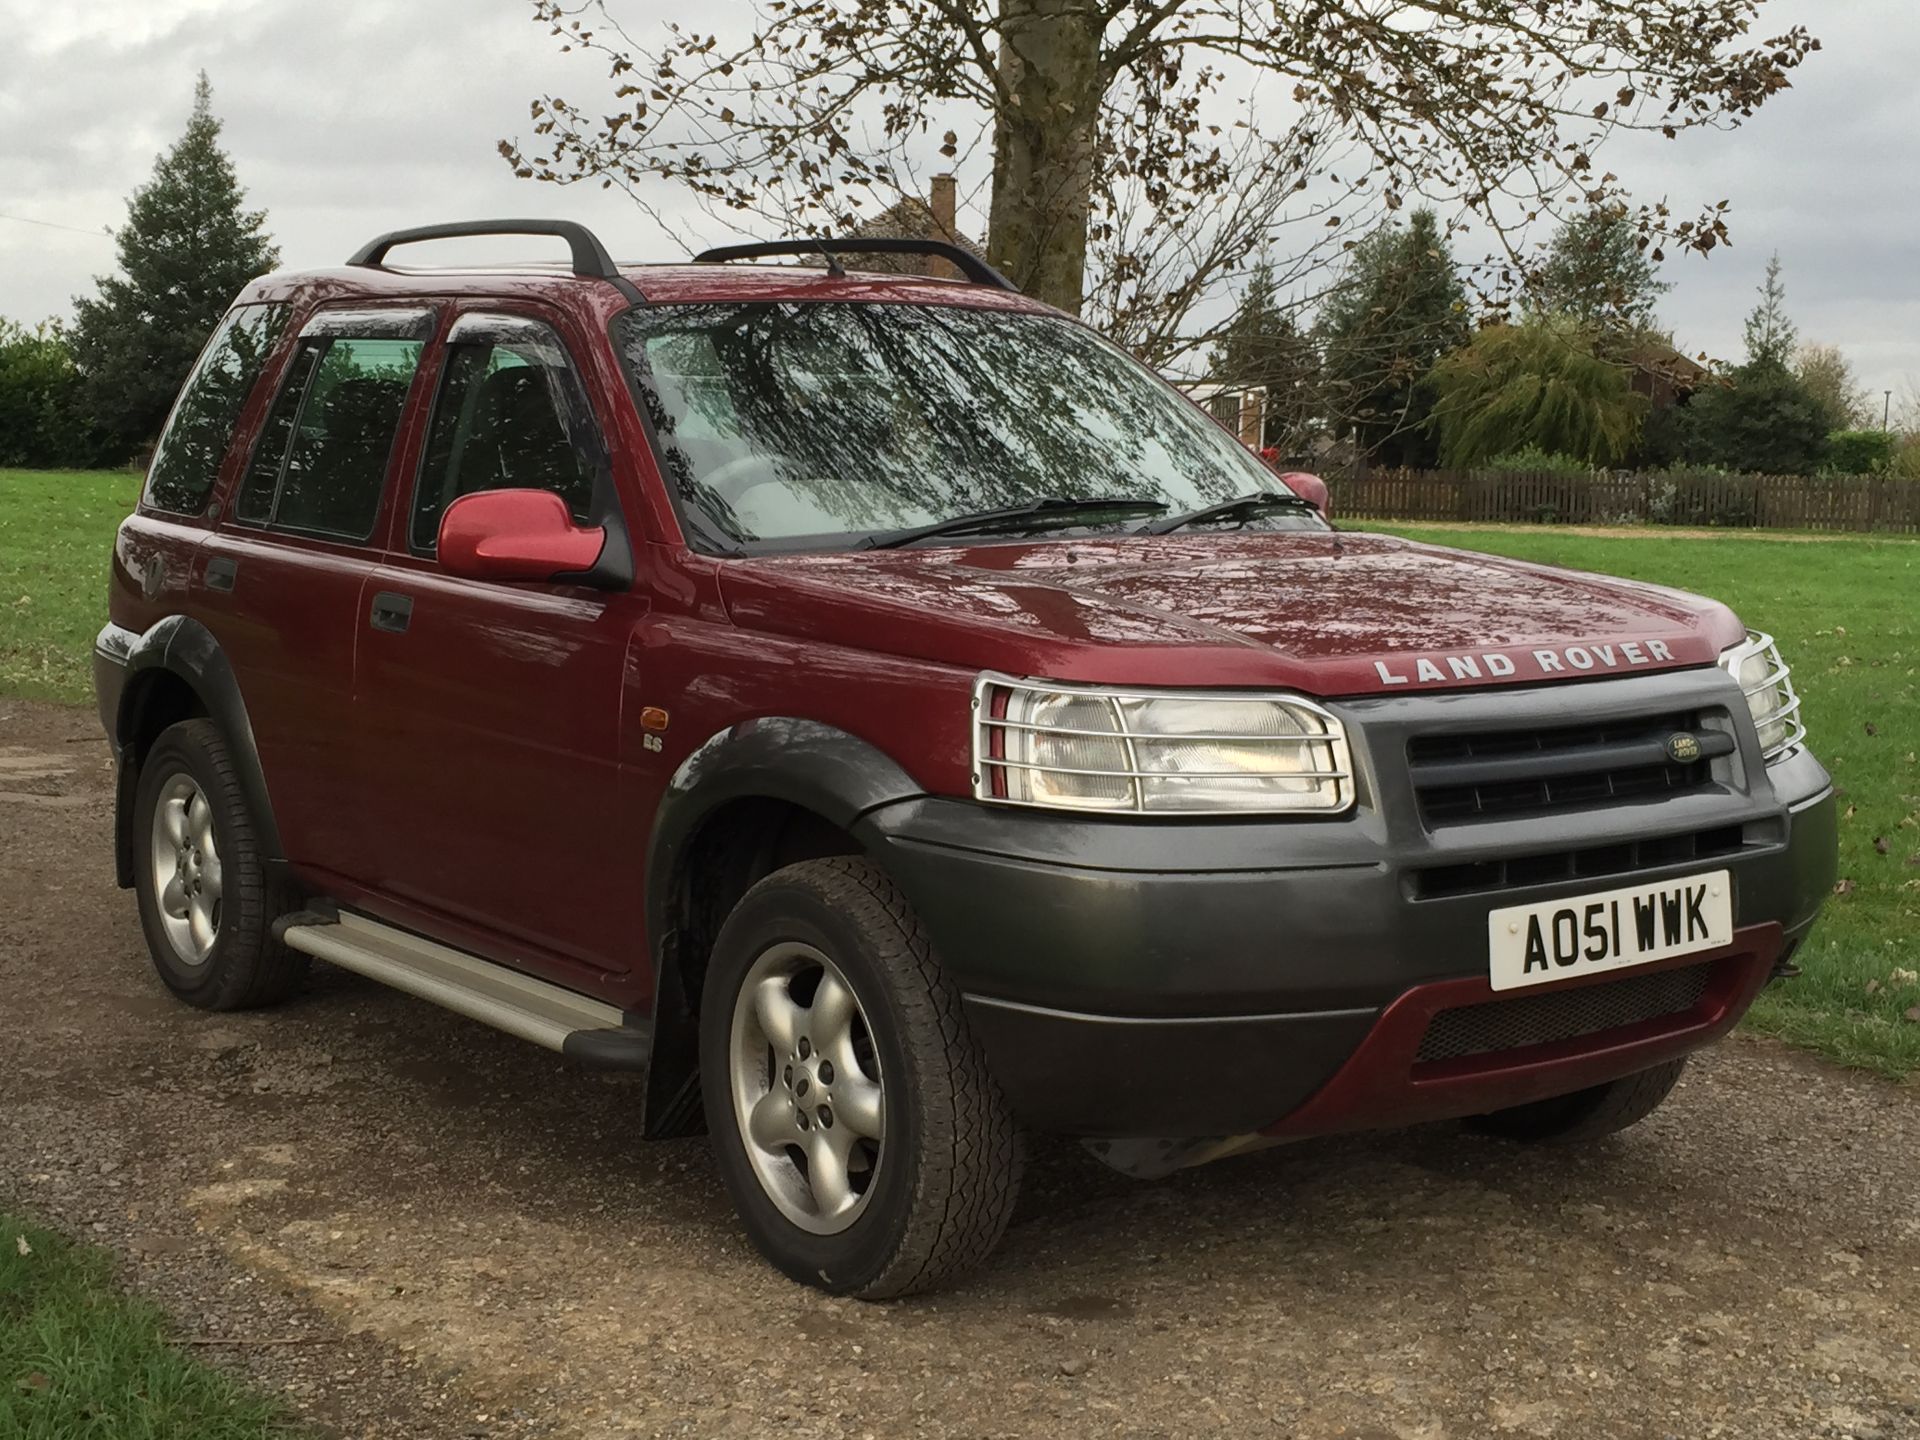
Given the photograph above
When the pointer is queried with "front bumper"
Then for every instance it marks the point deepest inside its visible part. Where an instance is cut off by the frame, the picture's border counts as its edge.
(1170, 980)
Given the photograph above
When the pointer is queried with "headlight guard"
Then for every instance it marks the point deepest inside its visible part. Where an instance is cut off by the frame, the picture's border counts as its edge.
(1157, 752)
(1767, 682)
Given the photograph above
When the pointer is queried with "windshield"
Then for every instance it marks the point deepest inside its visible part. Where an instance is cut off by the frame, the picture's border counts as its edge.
(814, 425)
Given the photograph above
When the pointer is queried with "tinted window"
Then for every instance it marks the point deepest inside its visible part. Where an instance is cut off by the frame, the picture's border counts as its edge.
(511, 415)
(187, 461)
(784, 421)
(321, 462)
(255, 502)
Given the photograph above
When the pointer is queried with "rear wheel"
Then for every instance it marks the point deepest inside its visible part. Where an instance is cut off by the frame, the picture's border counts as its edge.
(1586, 1114)
(852, 1117)
(203, 890)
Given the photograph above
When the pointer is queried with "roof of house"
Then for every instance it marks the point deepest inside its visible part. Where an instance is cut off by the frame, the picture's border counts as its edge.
(909, 219)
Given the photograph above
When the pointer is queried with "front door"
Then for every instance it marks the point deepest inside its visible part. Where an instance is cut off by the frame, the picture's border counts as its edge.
(489, 713)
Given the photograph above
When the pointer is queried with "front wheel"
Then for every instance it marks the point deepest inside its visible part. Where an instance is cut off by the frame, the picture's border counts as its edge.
(855, 1125)
(1586, 1114)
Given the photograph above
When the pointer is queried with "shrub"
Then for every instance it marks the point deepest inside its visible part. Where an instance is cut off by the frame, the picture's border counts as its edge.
(1861, 452)
(1703, 495)
(1762, 421)
(1534, 461)
(41, 424)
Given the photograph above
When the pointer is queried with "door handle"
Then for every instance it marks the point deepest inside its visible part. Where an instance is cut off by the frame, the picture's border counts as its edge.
(221, 571)
(391, 612)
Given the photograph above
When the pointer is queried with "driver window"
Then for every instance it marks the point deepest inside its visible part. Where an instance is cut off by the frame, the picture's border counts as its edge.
(510, 415)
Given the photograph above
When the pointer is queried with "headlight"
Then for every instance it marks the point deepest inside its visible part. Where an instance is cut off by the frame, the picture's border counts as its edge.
(1768, 684)
(1156, 751)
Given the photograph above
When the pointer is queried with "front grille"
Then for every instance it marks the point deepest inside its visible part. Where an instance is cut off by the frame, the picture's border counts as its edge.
(1529, 1020)
(1552, 867)
(1504, 774)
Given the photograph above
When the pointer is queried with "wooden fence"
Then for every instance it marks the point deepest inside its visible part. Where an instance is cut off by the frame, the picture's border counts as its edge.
(1784, 502)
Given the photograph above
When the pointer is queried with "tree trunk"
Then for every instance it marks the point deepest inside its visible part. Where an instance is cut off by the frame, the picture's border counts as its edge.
(1043, 148)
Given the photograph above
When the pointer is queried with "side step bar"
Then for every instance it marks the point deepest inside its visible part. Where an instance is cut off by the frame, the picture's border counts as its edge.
(495, 995)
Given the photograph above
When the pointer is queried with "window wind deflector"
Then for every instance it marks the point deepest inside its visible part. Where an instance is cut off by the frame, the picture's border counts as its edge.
(1243, 507)
(380, 322)
(1049, 512)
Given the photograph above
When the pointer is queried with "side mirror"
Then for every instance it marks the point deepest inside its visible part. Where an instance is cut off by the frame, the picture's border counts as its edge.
(1310, 487)
(516, 535)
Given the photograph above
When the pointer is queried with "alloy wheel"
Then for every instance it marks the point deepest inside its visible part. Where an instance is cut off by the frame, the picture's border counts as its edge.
(808, 1094)
(186, 869)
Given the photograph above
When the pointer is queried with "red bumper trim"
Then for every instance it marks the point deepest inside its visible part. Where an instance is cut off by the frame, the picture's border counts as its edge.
(1382, 1084)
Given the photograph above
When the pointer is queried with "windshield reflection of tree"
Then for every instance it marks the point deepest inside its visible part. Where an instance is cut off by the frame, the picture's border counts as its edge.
(886, 415)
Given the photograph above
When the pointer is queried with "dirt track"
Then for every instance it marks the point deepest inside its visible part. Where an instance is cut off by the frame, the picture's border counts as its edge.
(443, 1232)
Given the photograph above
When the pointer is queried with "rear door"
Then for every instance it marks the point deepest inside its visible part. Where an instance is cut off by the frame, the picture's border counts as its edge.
(489, 712)
(156, 553)
(280, 582)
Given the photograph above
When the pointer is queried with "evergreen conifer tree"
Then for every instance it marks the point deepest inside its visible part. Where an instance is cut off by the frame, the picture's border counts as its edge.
(187, 247)
(1399, 309)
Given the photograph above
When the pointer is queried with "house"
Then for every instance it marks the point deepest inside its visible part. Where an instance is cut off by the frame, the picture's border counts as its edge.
(1664, 376)
(912, 218)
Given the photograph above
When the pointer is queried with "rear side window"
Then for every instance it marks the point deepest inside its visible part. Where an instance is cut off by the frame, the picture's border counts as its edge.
(320, 464)
(511, 415)
(187, 461)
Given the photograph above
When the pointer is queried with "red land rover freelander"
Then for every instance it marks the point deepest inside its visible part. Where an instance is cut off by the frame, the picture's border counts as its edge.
(885, 714)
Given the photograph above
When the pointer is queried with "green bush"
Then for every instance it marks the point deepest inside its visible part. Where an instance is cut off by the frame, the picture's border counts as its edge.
(1703, 495)
(1663, 438)
(1534, 461)
(42, 425)
(1761, 421)
(1861, 452)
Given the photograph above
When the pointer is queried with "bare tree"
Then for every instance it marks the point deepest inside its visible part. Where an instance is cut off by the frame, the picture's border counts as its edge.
(1828, 374)
(1114, 138)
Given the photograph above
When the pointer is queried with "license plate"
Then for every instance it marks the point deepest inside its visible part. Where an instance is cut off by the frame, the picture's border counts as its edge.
(1611, 930)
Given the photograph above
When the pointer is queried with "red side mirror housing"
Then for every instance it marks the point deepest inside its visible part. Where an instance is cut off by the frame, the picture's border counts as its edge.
(516, 535)
(1310, 487)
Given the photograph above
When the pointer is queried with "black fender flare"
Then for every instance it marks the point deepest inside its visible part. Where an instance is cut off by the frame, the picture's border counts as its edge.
(180, 645)
(817, 767)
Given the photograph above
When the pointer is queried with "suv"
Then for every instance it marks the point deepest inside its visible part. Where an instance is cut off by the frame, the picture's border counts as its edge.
(891, 718)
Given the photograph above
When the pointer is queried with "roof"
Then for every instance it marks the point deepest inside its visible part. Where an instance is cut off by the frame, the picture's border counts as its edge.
(1664, 359)
(659, 284)
(910, 219)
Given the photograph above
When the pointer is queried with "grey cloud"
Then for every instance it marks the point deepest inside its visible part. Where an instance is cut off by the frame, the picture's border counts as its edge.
(353, 116)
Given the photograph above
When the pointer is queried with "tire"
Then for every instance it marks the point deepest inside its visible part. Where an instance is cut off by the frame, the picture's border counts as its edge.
(211, 939)
(1586, 1114)
(928, 1194)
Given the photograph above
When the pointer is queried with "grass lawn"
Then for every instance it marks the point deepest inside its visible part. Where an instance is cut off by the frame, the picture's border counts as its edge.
(81, 1361)
(56, 538)
(1847, 616)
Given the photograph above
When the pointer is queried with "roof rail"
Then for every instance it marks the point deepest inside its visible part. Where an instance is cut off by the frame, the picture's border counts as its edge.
(590, 258)
(969, 264)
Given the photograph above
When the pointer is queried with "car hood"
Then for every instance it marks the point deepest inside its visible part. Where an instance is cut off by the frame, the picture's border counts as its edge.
(1314, 611)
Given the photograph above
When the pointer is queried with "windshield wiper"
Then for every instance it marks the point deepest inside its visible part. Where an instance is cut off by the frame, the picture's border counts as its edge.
(1048, 511)
(1243, 507)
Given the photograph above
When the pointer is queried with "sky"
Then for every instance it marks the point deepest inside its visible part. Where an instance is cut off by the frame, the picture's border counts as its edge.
(346, 118)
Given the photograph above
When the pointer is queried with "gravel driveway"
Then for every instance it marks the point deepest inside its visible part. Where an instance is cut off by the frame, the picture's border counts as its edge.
(421, 1228)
